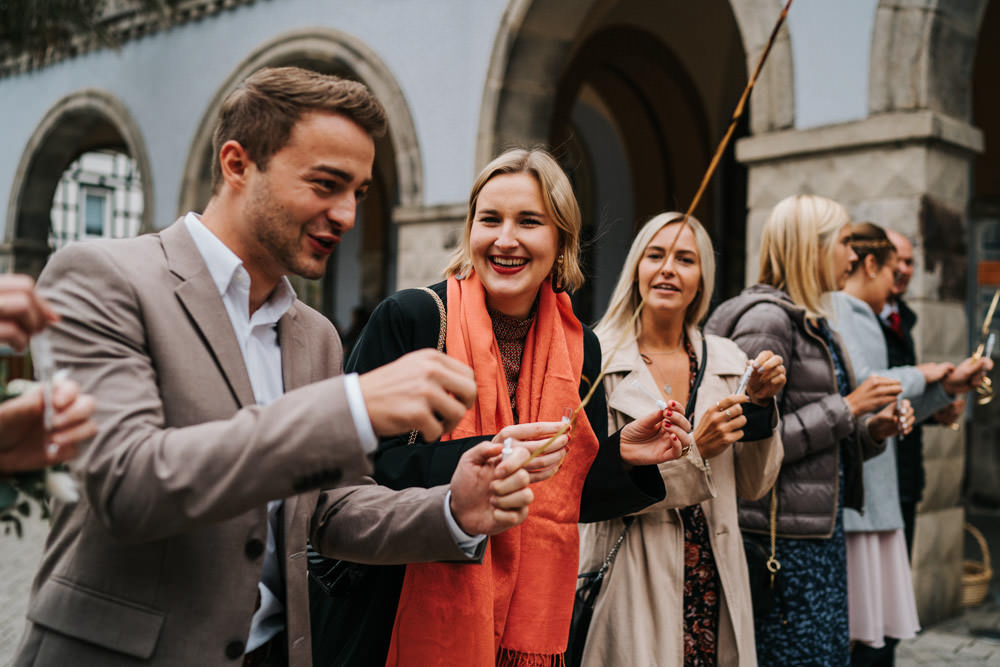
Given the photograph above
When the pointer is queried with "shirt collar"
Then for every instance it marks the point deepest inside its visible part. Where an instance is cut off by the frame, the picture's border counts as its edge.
(889, 308)
(224, 265)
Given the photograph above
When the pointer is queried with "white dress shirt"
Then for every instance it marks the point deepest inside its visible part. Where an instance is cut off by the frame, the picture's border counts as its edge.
(257, 336)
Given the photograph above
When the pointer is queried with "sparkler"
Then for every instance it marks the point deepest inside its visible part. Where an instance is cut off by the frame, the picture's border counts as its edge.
(985, 349)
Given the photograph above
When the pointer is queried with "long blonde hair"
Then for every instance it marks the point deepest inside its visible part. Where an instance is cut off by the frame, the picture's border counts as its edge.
(625, 298)
(560, 205)
(796, 249)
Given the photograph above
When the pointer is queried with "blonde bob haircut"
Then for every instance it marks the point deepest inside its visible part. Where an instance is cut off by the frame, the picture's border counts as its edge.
(796, 249)
(560, 205)
(625, 298)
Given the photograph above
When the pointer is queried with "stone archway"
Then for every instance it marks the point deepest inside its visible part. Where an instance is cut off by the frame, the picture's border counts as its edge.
(634, 106)
(534, 44)
(83, 121)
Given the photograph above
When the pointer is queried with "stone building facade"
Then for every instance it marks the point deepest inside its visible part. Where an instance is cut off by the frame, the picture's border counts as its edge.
(889, 106)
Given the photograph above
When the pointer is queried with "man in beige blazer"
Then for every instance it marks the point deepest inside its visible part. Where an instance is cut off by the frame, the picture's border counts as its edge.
(210, 413)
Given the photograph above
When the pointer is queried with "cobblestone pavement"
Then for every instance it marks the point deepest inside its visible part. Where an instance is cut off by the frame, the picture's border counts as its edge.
(973, 638)
(17, 567)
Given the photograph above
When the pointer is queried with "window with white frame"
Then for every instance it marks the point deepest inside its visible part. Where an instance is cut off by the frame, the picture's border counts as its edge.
(99, 195)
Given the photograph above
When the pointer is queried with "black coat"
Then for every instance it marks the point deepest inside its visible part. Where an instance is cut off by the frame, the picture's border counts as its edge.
(354, 625)
(910, 449)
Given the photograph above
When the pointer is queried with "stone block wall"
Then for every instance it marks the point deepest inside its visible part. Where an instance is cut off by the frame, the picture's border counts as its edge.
(426, 238)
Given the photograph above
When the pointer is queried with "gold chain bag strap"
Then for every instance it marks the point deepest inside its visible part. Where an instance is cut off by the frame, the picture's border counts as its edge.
(766, 587)
(442, 334)
(773, 566)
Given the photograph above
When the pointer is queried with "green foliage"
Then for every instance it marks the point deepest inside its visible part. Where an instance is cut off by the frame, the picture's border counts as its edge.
(20, 491)
(17, 495)
(35, 25)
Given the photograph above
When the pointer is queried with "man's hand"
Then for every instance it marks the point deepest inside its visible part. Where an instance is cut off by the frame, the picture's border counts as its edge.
(24, 443)
(967, 376)
(424, 390)
(950, 413)
(656, 438)
(872, 394)
(490, 495)
(532, 437)
(22, 312)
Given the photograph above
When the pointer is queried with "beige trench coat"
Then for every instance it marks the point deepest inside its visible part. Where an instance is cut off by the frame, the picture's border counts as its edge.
(638, 617)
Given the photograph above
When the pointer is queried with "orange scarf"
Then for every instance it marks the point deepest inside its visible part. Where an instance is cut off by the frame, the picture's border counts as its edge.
(515, 608)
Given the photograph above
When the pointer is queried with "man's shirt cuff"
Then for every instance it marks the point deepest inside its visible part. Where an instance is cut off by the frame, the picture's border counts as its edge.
(359, 413)
(467, 543)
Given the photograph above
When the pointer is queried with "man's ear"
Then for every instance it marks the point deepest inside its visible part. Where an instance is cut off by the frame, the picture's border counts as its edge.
(235, 163)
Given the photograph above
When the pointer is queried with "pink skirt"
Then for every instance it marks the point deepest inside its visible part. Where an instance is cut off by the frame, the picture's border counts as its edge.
(880, 597)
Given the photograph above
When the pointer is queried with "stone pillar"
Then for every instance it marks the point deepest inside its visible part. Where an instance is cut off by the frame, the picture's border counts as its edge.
(426, 237)
(909, 171)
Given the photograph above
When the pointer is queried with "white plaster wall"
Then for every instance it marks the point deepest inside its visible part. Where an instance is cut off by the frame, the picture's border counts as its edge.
(831, 49)
(438, 51)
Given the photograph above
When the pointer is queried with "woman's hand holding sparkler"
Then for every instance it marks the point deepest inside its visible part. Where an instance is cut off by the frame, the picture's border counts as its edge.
(533, 437)
(767, 379)
(660, 436)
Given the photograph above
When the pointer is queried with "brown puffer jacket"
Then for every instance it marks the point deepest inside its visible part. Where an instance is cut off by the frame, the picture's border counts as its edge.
(814, 416)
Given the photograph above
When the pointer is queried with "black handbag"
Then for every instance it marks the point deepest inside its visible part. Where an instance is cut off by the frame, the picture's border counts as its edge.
(587, 588)
(589, 583)
(767, 587)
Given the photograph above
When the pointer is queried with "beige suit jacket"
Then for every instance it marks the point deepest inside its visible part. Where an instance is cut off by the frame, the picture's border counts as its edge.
(158, 563)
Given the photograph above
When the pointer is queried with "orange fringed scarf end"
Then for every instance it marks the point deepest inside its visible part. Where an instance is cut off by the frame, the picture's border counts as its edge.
(510, 658)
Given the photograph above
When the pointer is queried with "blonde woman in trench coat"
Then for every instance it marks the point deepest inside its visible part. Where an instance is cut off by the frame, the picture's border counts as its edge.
(644, 616)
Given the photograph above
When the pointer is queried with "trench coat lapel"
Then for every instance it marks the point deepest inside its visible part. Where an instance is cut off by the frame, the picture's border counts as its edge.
(200, 298)
(633, 396)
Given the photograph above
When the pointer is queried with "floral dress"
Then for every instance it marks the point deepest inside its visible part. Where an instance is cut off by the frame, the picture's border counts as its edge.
(701, 577)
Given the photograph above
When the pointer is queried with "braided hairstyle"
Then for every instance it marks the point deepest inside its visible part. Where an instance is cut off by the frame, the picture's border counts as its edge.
(867, 238)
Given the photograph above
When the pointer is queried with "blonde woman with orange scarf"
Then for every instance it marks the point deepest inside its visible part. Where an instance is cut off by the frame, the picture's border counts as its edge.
(509, 318)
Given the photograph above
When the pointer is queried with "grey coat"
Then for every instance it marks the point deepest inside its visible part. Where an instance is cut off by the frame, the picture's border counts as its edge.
(861, 334)
(815, 418)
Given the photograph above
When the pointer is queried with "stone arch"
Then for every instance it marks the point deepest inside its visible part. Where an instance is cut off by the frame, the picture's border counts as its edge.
(83, 121)
(328, 49)
(922, 56)
(533, 46)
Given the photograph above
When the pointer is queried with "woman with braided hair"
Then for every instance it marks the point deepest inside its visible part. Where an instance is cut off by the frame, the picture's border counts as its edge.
(882, 609)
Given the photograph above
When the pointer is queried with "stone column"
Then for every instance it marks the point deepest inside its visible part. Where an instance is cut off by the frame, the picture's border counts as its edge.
(427, 236)
(909, 171)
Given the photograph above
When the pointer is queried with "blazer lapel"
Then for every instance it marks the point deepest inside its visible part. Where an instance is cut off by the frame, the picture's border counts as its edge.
(200, 298)
(295, 372)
